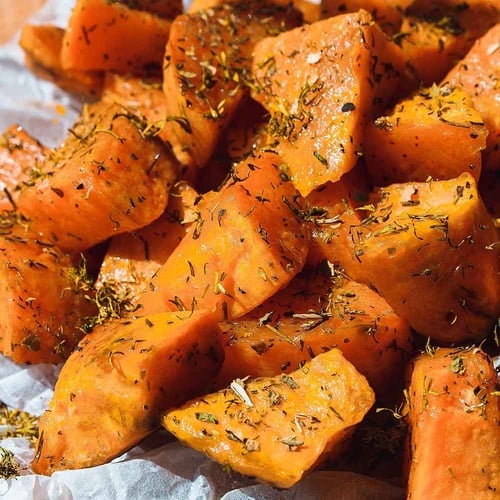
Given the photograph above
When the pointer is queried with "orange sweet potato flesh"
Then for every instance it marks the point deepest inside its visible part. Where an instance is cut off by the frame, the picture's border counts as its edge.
(107, 178)
(284, 427)
(478, 73)
(435, 242)
(22, 159)
(42, 45)
(103, 35)
(205, 82)
(112, 391)
(469, 19)
(247, 242)
(430, 48)
(436, 133)
(317, 116)
(334, 210)
(435, 35)
(133, 259)
(454, 419)
(43, 304)
(314, 314)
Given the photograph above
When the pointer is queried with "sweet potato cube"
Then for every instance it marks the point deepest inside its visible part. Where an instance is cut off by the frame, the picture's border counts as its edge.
(436, 133)
(478, 72)
(106, 179)
(207, 61)
(430, 48)
(44, 305)
(344, 71)
(314, 314)
(42, 45)
(435, 242)
(247, 242)
(277, 429)
(435, 35)
(103, 35)
(454, 422)
(114, 388)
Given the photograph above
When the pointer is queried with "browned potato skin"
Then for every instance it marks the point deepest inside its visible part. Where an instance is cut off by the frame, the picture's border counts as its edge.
(114, 387)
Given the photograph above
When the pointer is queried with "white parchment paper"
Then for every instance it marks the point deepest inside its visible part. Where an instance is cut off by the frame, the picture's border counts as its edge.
(159, 468)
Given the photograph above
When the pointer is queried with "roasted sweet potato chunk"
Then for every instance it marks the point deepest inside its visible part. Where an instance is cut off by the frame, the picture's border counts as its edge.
(22, 160)
(346, 71)
(437, 133)
(207, 62)
(478, 72)
(103, 35)
(435, 243)
(247, 242)
(44, 303)
(452, 405)
(107, 178)
(112, 391)
(278, 428)
(435, 35)
(133, 259)
(42, 45)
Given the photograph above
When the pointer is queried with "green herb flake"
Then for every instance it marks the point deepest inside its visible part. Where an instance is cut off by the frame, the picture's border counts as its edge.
(457, 365)
(289, 381)
(19, 423)
(206, 417)
(9, 467)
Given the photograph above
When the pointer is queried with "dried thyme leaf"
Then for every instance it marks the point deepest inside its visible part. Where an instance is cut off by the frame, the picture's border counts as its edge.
(286, 379)
(238, 387)
(19, 423)
(292, 442)
(206, 417)
(9, 468)
(457, 365)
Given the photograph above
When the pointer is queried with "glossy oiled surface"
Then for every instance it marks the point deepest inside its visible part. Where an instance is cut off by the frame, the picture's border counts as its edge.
(14, 15)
